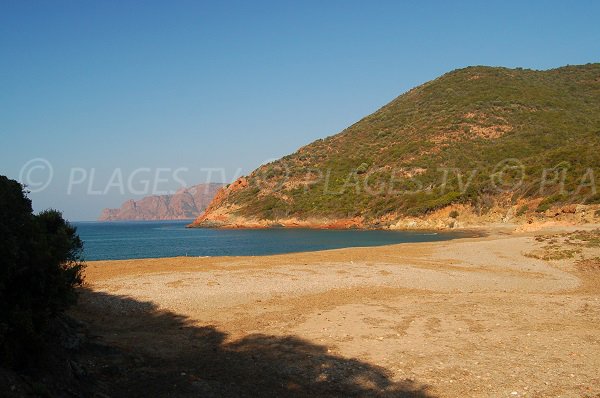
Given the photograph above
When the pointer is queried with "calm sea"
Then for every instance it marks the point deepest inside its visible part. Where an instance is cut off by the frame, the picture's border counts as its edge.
(141, 239)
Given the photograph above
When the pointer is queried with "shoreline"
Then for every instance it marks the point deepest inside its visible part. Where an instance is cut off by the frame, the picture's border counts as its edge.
(480, 231)
(446, 218)
(461, 234)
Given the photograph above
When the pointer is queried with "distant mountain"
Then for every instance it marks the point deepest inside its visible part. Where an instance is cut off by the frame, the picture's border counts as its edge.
(476, 137)
(186, 203)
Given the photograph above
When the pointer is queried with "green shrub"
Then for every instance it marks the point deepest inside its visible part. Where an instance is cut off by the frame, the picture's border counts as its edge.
(593, 199)
(548, 202)
(41, 266)
(423, 206)
(453, 214)
(362, 169)
(542, 207)
(522, 210)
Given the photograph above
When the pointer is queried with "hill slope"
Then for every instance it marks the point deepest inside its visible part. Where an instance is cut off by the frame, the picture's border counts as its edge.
(184, 204)
(479, 136)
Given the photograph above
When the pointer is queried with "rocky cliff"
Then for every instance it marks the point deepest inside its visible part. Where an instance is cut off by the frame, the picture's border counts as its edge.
(187, 203)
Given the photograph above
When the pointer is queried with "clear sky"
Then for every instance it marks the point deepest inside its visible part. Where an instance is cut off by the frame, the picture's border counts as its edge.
(97, 86)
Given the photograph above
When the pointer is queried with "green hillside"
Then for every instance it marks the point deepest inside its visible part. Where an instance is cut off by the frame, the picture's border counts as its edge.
(393, 161)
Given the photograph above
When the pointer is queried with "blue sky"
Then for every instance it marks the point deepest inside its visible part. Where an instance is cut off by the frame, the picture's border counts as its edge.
(193, 85)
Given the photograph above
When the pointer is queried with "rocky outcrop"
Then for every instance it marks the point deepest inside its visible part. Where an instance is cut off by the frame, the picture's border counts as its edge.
(520, 216)
(187, 203)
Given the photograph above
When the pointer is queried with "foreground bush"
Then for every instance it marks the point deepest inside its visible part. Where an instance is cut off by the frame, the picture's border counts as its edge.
(40, 266)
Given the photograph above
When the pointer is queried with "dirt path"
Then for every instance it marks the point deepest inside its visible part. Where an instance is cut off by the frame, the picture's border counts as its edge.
(472, 317)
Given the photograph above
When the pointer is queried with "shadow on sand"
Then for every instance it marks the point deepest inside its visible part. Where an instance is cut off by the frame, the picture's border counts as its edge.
(141, 351)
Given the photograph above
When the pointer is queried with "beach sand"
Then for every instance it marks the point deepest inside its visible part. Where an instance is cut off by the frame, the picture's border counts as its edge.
(469, 317)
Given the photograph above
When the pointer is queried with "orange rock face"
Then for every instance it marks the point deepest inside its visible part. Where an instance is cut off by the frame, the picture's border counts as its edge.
(211, 214)
(187, 203)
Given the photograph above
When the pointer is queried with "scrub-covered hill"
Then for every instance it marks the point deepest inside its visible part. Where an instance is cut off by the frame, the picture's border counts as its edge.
(477, 139)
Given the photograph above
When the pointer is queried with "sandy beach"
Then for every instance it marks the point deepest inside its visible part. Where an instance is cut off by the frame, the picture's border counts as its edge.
(498, 316)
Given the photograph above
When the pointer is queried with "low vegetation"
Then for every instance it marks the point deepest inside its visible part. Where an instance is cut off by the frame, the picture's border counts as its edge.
(581, 246)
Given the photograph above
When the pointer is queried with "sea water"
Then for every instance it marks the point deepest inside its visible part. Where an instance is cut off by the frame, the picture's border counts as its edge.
(143, 239)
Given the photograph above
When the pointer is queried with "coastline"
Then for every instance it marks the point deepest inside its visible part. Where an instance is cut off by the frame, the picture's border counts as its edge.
(477, 316)
(96, 268)
(447, 218)
(131, 240)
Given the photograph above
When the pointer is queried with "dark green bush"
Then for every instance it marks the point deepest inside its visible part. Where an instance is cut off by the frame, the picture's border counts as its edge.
(41, 264)
(522, 210)
(548, 202)
(362, 168)
(593, 199)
